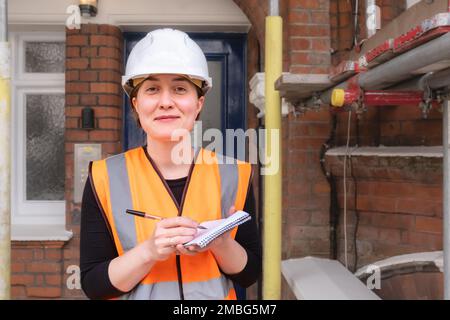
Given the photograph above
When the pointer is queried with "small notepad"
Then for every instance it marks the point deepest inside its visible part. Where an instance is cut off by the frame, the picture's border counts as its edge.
(217, 227)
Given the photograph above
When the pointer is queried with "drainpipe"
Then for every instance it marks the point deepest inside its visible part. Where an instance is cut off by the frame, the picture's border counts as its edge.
(5, 185)
(446, 205)
(272, 180)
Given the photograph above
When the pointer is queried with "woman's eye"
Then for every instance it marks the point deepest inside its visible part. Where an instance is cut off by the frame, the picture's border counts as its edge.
(180, 90)
(151, 89)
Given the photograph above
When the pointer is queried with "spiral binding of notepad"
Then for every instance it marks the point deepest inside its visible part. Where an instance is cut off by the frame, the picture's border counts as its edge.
(210, 237)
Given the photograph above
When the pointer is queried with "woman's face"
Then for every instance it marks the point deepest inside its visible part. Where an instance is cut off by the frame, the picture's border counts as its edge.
(165, 103)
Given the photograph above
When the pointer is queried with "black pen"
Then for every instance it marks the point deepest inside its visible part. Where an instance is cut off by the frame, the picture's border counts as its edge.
(151, 216)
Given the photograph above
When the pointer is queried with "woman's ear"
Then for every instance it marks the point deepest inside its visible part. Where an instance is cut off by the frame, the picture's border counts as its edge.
(133, 102)
(200, 104)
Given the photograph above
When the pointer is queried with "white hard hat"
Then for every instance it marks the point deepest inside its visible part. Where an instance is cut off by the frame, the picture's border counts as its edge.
(166, 51)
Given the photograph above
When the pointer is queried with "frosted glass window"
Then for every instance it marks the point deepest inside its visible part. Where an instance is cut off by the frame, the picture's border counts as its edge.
(44, 57)
(45, 147)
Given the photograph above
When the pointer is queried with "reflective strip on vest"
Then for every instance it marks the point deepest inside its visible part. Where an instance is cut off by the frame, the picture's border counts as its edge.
(121, 200)
(119, 189)
(229, 178)
(215, 289)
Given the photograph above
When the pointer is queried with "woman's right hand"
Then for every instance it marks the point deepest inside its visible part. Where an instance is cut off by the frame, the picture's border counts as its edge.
(169, 233)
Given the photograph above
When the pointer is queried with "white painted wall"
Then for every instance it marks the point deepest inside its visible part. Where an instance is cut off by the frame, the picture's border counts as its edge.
(133, 15)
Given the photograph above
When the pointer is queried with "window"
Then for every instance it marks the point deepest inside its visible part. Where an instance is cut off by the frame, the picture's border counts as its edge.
(37, 131)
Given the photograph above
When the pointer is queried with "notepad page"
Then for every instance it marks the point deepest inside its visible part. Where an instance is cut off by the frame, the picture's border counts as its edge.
(218, 227)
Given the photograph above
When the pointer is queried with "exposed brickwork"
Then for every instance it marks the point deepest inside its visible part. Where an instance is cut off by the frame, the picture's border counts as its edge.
(392, 126)
(309, 36)
(36, 269)
(100, 66)
(306, 190)
(399, 203)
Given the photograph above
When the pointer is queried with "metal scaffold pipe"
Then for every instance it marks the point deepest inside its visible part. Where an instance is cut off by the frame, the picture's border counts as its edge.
(272, 170)
(400, 68)
(5, 119)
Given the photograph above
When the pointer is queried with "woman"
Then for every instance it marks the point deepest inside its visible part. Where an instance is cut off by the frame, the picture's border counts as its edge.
(130, 257)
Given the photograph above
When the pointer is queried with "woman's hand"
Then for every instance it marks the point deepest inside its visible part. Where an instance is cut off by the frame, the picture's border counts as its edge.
(214, 245)
(127, 270)
(169, 236)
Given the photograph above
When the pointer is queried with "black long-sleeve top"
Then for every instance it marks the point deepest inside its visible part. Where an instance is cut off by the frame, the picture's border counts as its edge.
(97, 247)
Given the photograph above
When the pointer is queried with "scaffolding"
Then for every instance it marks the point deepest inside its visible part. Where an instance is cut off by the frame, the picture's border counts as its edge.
(412, 69)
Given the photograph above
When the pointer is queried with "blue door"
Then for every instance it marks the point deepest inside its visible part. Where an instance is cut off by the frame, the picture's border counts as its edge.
(225, 104)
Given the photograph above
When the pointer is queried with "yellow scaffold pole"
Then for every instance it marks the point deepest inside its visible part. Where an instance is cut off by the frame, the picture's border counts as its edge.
(5, 185)
(272, 174)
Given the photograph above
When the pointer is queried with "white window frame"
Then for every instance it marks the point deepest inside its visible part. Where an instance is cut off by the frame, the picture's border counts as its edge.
(28, 212)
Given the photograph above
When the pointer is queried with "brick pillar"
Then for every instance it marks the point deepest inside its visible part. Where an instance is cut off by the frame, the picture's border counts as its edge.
(308, 26)
(306, 191)
(94, 67)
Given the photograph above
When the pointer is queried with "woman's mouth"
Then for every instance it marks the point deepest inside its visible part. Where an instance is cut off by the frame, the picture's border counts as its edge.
(166, 118)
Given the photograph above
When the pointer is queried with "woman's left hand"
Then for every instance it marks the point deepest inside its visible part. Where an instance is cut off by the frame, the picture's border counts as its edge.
(214, 245)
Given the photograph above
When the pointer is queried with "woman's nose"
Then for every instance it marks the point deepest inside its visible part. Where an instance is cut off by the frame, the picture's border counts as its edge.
(165, 100)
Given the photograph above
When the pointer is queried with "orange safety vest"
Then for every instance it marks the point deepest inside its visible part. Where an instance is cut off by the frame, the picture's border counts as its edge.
(131, 180)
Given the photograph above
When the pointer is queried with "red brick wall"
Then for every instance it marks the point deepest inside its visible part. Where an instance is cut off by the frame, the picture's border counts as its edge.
(306, 196)
(398, 200)
(305, 190)
(405, 125)
(308, 28)
(399, 204)
(36, 269)
(94, 68)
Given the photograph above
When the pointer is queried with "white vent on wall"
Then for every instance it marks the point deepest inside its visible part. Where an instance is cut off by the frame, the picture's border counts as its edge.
(257, 95)
(410, 3)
